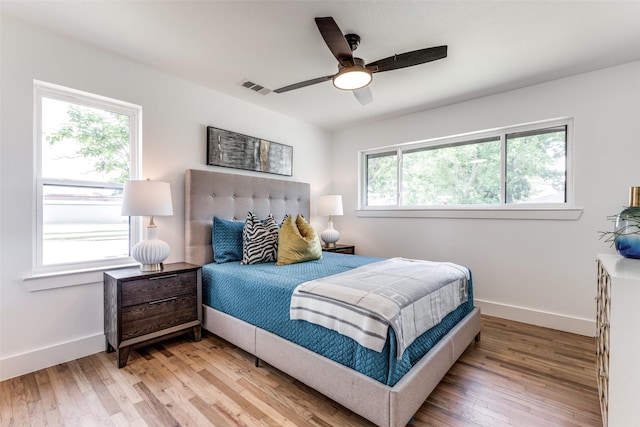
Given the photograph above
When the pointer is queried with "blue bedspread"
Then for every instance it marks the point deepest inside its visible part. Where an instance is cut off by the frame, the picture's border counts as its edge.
(260, 294)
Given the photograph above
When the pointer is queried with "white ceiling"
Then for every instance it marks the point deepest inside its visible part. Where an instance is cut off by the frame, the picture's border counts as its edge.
(493, 46)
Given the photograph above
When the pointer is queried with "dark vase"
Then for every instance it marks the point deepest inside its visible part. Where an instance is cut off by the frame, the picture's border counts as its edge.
(627, 230)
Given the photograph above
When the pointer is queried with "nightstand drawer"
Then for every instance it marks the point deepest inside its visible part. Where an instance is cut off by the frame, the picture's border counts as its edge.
(348, 250)
(159, 314)
(156, 288)
(341, 249)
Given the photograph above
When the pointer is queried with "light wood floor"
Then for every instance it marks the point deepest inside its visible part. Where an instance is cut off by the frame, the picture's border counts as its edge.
(517, 375)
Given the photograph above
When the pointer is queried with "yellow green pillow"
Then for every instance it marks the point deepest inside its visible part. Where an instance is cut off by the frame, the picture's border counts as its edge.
(297, 242)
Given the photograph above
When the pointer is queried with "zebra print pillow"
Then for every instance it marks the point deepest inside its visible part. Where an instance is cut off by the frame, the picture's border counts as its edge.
(259, 240)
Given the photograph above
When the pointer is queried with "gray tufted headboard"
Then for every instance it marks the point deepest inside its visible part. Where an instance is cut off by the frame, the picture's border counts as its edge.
(231, 196)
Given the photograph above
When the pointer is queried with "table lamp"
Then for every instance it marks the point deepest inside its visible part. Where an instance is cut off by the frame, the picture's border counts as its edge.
(330, 205)
(148, 198)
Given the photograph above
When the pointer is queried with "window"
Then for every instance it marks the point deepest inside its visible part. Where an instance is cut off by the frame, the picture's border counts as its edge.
(382, 179)
(86, 147)
(519, 166)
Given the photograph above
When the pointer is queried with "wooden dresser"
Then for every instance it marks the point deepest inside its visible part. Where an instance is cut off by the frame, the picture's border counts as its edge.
(618, 340)
(144, 307)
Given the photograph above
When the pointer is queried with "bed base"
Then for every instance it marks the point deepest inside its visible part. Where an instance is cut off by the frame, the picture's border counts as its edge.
(383, 405)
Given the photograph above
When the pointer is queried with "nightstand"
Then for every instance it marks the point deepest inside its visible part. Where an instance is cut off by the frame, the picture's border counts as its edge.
(145, 307)
(341, 249)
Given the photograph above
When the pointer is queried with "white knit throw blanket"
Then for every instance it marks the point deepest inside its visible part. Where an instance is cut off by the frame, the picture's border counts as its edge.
(409, 295)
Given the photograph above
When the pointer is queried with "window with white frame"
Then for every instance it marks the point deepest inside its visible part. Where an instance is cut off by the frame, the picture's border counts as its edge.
(86, 148)
(513, 167)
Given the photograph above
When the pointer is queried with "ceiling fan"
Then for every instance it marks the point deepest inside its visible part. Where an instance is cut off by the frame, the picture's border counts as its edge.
(353, 74)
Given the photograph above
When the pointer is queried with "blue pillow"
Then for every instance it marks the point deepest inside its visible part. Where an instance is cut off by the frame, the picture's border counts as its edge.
(227, 240)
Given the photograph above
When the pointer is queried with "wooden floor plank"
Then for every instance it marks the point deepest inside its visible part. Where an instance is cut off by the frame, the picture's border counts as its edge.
(127, 412)
(160, 412)
(94, 383)
(227, 387)
(67, 395)
(19, 411)
(517, 375)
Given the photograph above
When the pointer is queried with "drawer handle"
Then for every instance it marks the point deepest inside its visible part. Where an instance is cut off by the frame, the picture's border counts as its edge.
(163, 277)
(163, 300)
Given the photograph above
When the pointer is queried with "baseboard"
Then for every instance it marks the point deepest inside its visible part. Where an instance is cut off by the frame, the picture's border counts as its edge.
(32, 361)
(557, 321)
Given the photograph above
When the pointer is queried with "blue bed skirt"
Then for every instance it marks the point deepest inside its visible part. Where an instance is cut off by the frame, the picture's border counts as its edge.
(260, 295)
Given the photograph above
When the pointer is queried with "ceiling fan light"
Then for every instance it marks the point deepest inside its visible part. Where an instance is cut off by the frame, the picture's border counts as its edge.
(352, 78)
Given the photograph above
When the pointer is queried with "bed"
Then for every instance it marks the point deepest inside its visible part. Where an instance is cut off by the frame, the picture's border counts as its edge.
(386, 399)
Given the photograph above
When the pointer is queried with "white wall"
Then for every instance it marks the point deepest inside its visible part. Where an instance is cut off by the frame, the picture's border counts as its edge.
(41, 328)
(541, 272)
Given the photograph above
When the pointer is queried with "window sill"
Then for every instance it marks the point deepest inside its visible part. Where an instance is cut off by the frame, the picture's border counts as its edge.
(62, 279)
(561, 214)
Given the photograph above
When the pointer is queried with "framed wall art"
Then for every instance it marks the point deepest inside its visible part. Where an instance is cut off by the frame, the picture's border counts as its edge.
(235, 150)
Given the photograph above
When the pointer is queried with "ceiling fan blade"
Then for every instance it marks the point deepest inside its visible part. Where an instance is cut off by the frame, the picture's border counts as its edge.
(335, 40)
(408, 59)
(364, 95)
(303, 84)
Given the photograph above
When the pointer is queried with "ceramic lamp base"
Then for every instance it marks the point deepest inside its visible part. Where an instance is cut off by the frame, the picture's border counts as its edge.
(330, 235)
(150, 253)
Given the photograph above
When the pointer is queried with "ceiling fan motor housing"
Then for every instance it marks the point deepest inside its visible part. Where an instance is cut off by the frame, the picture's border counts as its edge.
(353, 40)
(357, 62)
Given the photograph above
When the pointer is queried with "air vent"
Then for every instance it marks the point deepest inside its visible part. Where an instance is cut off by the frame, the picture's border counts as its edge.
(255, 87)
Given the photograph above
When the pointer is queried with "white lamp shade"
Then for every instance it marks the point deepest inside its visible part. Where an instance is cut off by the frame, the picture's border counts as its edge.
(330, 205)
(148, 198)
